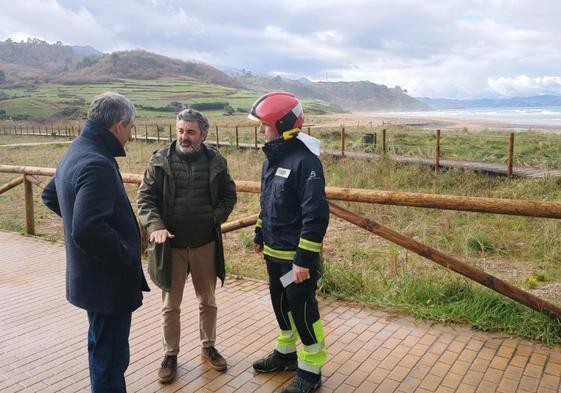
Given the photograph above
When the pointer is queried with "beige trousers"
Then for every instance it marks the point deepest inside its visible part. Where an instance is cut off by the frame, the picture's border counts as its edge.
(199, 262)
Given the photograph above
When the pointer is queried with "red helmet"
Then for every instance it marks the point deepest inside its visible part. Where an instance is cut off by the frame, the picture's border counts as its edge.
(280, 110)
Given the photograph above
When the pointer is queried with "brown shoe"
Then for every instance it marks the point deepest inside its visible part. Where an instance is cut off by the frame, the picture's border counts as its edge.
(168, 369)
(214, 359)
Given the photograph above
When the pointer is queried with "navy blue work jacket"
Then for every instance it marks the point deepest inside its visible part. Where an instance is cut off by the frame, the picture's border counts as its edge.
(294, 210)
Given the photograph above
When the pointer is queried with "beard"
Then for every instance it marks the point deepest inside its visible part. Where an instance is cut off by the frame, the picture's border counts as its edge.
(189, 148)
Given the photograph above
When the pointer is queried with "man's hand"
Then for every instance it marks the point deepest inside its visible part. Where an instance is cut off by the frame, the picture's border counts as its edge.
(160, 236)
(257, 247)
(301, 274)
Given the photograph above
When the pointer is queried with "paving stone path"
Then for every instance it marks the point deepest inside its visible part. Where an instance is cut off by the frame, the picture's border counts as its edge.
(43, 341)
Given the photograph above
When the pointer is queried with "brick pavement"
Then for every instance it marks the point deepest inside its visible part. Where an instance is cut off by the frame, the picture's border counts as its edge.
(43, 341)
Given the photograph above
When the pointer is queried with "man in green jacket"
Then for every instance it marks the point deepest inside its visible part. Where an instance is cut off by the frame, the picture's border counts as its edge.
(186, 194)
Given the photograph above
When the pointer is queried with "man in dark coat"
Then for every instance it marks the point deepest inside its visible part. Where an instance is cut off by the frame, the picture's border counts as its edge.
(185, 195)
(103, 269)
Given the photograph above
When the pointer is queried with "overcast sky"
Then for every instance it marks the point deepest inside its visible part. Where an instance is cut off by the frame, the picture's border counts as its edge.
(435, 48)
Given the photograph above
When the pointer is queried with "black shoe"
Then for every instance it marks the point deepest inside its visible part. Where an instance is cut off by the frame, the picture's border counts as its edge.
(275, 362)
(300, 385)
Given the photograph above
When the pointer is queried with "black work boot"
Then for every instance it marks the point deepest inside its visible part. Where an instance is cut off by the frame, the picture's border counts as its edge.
(168, 369)
(300, 385)
(276, 361)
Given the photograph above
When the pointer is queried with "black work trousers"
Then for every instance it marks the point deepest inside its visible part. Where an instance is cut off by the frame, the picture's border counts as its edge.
(298, 299)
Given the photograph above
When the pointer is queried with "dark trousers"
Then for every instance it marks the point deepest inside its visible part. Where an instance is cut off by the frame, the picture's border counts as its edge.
(299, 299)
(108, 351)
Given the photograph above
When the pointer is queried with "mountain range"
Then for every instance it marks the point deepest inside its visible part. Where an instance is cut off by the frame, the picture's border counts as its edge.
(36, 61)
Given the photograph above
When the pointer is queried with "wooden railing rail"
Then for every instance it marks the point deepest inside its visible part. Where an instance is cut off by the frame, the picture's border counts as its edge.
(512, 207)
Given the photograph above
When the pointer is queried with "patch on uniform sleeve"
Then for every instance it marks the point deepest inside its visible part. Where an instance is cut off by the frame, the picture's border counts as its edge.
(313, 175)
(282, 172)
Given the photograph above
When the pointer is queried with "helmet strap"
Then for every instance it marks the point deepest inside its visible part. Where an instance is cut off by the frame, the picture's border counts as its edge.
(286, 135)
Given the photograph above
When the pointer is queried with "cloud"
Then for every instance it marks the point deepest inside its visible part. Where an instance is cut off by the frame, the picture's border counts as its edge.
(50, 21)
(525, 85)
(442, 48)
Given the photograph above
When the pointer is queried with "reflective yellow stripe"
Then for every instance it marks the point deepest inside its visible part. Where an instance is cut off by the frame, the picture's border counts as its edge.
(279, 254)
(309, 245)
(312, 357)
(286, 340)
(259, 223)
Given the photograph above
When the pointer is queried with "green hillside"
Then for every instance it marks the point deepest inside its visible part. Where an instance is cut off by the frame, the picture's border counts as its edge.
(153, 98)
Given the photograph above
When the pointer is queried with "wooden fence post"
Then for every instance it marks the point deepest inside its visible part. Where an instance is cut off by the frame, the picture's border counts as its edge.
(146, 132)
(309, 132)
(384, 141)
(134, 132)
(28, 197)
(217, 139)
(170, 135)
(437, 155)
(157, 132)
(237, 138)
(510, 154)
(342, 141)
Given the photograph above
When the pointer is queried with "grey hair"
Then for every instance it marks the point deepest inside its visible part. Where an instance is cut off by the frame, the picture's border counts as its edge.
(194, 115)
(110, 108)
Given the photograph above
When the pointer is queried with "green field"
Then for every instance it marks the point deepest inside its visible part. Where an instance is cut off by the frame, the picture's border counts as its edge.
(61, 101)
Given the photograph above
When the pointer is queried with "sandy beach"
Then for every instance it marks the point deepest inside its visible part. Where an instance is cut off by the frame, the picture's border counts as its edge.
(429, 120)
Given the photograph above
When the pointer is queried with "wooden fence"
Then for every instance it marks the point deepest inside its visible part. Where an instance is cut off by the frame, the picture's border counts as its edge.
(156, 133)
(29, 177)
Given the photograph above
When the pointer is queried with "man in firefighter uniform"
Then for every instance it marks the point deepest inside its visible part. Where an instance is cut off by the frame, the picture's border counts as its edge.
(292, 223)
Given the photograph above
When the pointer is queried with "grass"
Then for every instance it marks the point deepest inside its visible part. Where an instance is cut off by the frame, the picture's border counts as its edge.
(444, 298)
(365, 268)
(535, 148)
(531, 148)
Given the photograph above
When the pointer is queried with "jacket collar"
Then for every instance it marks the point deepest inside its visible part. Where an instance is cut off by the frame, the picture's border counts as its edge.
(102, 136)
(277, 148)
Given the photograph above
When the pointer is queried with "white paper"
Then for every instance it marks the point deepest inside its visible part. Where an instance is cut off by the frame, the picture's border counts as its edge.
(287, 279)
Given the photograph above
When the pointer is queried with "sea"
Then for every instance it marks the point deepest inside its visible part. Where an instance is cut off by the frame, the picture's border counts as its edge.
(523, 117)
